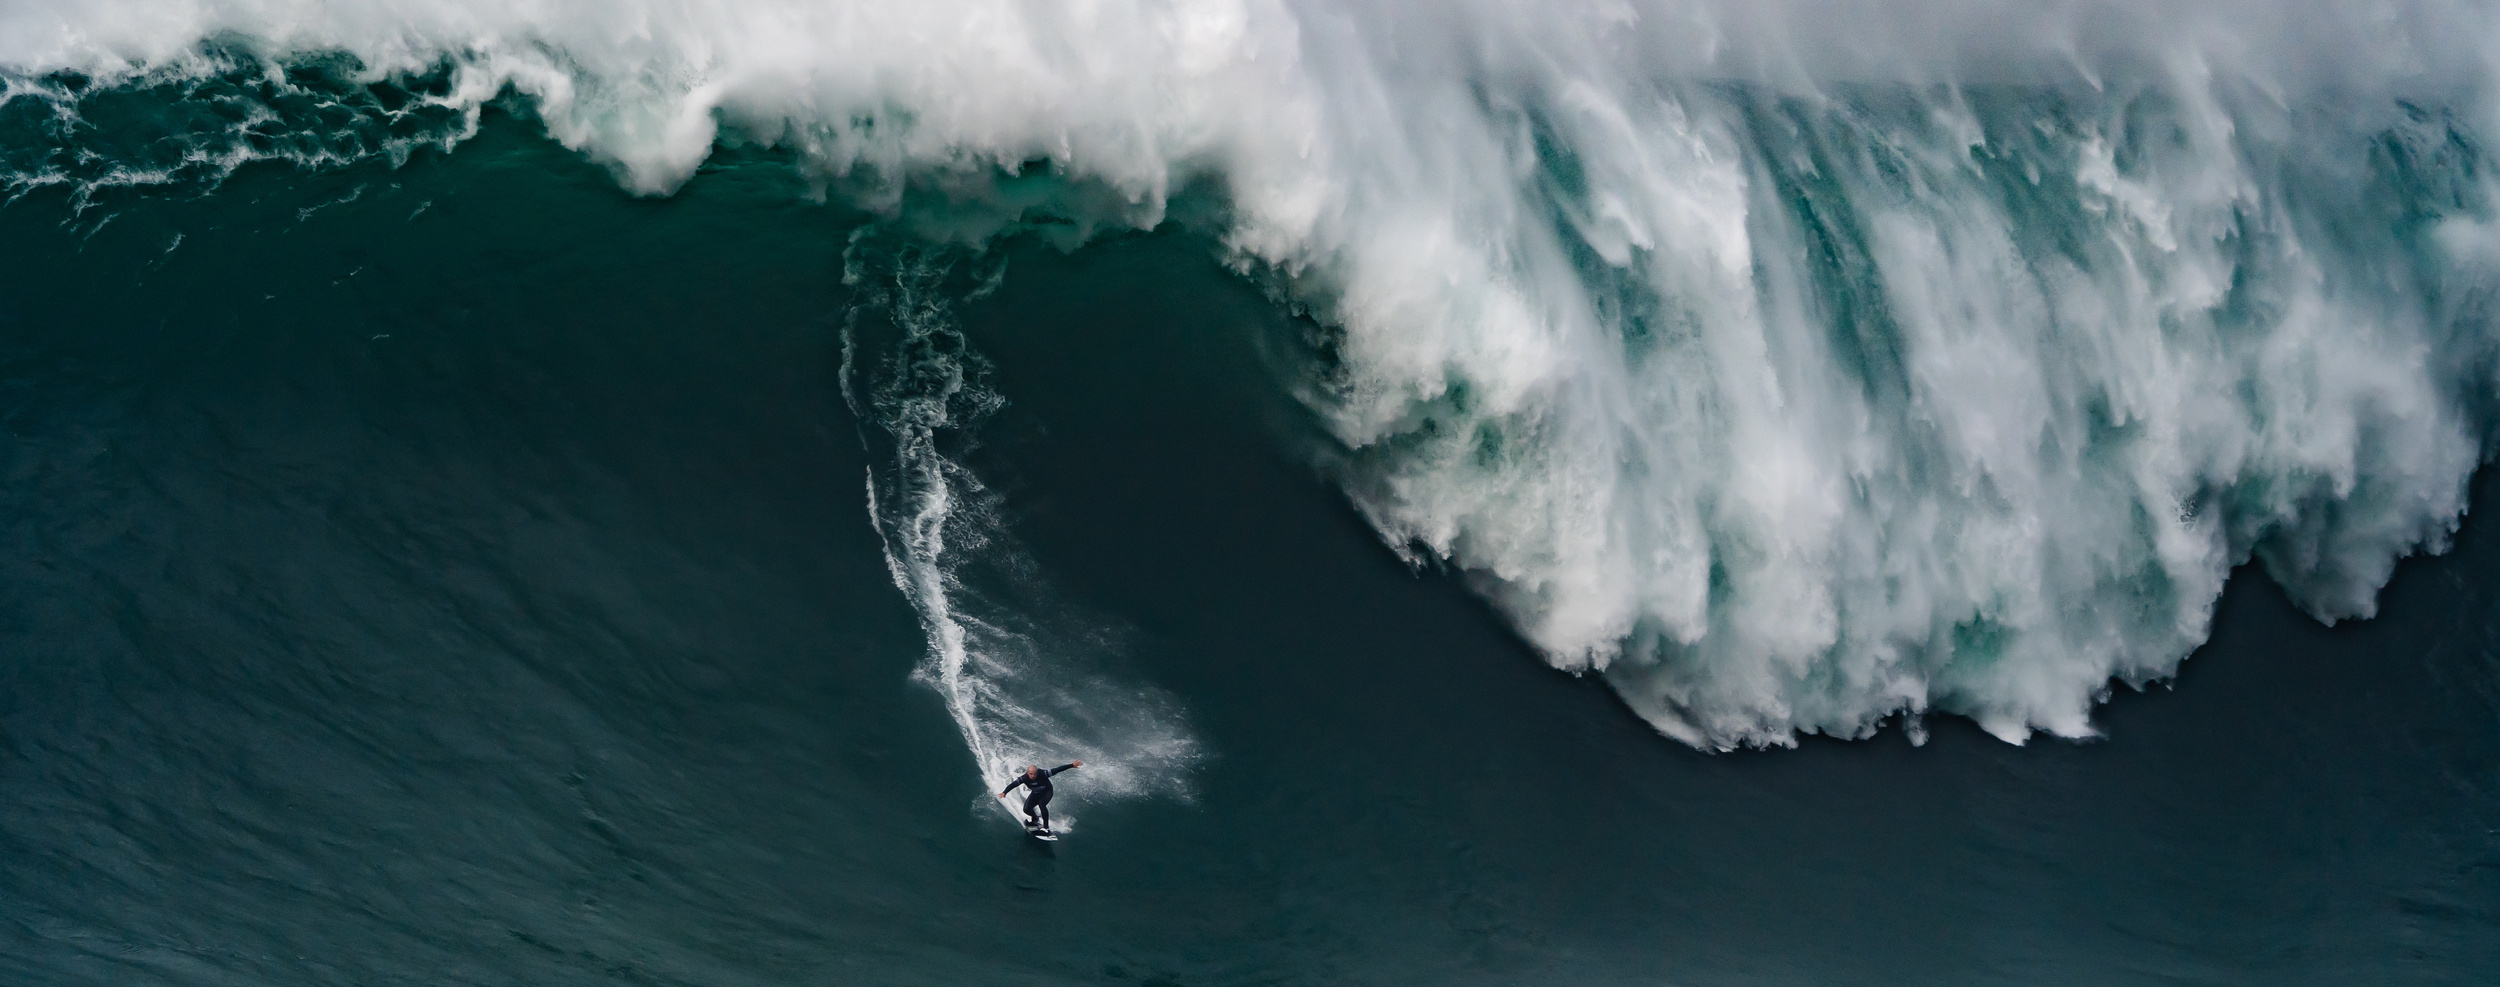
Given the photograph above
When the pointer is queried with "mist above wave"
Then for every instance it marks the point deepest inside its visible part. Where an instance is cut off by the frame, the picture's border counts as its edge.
(1796, 366)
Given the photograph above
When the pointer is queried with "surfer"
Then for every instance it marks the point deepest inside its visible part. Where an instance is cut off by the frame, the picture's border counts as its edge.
(1036, 783)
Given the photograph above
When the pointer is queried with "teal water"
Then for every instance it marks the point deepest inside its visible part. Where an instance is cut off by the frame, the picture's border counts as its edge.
(460, 573)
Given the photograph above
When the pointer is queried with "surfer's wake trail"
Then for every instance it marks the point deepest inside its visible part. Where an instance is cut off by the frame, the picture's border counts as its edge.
(1011, 663)
(1797, 367)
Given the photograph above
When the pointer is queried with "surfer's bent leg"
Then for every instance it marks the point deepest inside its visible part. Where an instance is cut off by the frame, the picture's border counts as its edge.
(1038, 810)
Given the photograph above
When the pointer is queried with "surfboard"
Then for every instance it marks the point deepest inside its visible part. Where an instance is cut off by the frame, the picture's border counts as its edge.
(1016, 812)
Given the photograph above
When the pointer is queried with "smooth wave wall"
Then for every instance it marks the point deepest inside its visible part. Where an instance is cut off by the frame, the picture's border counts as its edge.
(1795, 366)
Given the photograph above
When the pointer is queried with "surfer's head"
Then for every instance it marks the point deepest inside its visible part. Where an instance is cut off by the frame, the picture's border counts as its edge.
(1032, 770)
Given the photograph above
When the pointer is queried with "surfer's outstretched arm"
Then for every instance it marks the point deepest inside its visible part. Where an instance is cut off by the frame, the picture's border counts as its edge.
(1067, 767)
(1011, 786)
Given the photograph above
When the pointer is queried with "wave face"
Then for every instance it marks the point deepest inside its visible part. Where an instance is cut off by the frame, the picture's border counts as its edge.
(1795, 366)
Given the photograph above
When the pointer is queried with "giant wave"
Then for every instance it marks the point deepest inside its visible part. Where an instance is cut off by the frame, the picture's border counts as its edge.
(1797, 367)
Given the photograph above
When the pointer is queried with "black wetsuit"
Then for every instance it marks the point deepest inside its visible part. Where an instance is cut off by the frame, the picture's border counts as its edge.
(1037, 795)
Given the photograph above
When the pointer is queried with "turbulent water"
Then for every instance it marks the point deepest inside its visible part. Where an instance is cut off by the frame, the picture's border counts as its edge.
(583, 492)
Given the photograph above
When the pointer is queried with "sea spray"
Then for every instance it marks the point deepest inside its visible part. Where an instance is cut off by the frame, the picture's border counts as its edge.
(1017, 668)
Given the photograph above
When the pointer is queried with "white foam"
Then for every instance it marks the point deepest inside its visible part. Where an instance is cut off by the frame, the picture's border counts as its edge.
(1795, 364)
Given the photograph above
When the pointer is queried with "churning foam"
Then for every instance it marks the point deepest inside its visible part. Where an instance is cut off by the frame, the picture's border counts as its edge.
(1793, 365)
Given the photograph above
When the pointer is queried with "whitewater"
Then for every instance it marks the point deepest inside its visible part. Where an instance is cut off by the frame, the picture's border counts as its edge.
(1798, 368)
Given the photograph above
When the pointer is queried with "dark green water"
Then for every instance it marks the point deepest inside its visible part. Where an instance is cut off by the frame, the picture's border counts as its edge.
(470, 582)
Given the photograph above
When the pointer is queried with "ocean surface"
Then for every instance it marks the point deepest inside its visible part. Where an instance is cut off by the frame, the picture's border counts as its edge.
(1667, 493)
